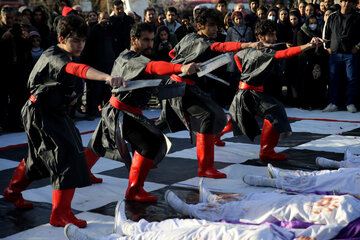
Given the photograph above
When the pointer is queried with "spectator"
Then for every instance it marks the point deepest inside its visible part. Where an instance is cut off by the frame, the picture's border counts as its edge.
(185, 22)
(228, 21)
(309, 10)
(328, 3)
(150, 16)
(326, 15)
(302, 6)
(171, 23)
(36, 49)
(164, 41)
(272, 14)
(311, 81)
(284, 33)
(322, 6)
(342, 29)
(240, 7)
(39, 21)
(121, 25)
(26, 12)
(160, 18)
(99, 53)
(78, 9)
(261, 13)
(57, 13)
(252, 18)
(279, 4)
(92, 19)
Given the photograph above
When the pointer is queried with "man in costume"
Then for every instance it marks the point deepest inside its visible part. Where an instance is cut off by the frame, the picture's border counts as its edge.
(258, 66)
(122, 117)
(196, 111)
(54, 143)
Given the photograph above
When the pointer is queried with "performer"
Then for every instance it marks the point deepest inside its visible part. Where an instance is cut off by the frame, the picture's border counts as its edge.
(122, 117)
(180, 229)
(318, 216)
(54, 143)
(258, 66)
(341, 181)
(196, 111)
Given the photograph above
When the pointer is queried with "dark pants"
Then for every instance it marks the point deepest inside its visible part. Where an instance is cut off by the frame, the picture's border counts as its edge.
(145, 142)
(336, 62)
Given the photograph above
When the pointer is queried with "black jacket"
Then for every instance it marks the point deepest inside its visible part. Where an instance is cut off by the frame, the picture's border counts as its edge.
(342, 39)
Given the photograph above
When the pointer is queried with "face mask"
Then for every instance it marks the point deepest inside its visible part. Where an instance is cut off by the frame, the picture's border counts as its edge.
(312, 26)
(272, 18)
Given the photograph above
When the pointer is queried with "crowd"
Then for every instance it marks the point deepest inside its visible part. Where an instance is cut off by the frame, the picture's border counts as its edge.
(322, 78)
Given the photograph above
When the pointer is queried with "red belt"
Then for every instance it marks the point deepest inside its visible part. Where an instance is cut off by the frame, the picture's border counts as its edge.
(32, 98)
(176, 78)
(116, 103)
(246, 86)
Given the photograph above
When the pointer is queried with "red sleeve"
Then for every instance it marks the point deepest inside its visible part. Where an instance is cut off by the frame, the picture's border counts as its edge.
(77, 69)
(162, 68)
(288, 53)
(172, 53)
(225, 47)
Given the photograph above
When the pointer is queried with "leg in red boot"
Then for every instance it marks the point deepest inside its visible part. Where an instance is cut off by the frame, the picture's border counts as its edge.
(18, 183)
(61, 209)
(140, 168)
(268, 141)
(228, 128)
(91, 159)
(205, 155)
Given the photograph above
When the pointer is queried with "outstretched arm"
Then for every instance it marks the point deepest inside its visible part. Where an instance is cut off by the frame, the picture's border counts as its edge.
(225, 47)
(294, 51)
(87, 72)
(166, 68)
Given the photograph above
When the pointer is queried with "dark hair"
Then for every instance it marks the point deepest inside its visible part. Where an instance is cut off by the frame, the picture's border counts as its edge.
(70, 25)
(58, 4)
(171, 9)
(262, 8)
(138, 28)
(221, 2)
(264, 27)
(6, 9)
(43, 11)
(208, 13)
(149, 9)
(162, 28)
(117, 2)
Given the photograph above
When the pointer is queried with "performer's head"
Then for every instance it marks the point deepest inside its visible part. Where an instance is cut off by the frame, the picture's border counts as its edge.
(72, 31)
(142, 38)
(265, 31)
(207, 22)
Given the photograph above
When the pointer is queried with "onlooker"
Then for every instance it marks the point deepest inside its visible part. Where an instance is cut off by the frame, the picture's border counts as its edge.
(78, 9)
(26, 12)
(252, 18)
(39, 21)
(150, 16)
(164, 41)
(342, 29)
(171, 23)
(261, 13)
(99, 53)
(328, 3)
(309, 10)
(284, 33)
(121, 25)
(322, 6)
(92, 19)
(311, 73)
(221, 7)
(301, 7)
(160, 18)
(228, 21)
(36, 49)
(185, 22)
(272, 14)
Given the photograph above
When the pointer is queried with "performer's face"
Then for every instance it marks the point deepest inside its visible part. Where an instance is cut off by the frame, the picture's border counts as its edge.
(209, 29)
(74, 45)
(268, 38)
(144, 44)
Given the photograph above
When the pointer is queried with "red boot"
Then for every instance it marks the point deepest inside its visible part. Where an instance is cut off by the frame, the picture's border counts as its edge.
(268, 141)
(140, 168)
(228, 128)
(18, 183)
(91, 159)
(61, 209)
(205, 156)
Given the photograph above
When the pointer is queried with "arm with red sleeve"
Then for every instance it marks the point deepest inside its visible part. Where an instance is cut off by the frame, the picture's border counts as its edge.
(162, 68)
(293, 51)
(225, 47)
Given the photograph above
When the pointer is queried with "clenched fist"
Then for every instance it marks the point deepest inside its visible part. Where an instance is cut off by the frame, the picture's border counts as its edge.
(190, 68)
(116, 81)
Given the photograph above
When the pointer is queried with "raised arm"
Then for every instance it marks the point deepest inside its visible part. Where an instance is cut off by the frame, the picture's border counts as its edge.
(225, 47)
(166, 68)
(294, 51)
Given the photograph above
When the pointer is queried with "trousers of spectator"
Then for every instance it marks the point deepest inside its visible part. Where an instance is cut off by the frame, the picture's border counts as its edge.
(337, 62)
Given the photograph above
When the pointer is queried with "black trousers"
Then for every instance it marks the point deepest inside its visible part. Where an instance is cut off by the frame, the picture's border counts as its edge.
(145, 142)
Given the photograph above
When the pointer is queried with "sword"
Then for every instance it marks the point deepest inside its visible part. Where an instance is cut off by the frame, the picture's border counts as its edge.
(132, 85)
(214, 63)
(217, 79)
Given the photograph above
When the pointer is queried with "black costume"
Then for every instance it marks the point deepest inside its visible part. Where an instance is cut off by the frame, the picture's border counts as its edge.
(55, 147)
(108, 138)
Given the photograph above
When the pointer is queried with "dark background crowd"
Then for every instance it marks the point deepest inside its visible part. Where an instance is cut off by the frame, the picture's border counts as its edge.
(323, 78)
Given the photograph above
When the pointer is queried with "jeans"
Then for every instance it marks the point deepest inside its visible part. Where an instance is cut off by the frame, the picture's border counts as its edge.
(336, 64)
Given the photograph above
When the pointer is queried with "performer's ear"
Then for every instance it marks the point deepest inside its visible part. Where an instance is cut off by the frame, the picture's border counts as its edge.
(133, 40)
(61, 39)
(261, 38)
(199, 26)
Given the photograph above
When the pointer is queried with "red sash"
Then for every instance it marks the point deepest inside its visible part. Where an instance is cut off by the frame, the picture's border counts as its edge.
(116, 103)
(176, 78)
(243, 85)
